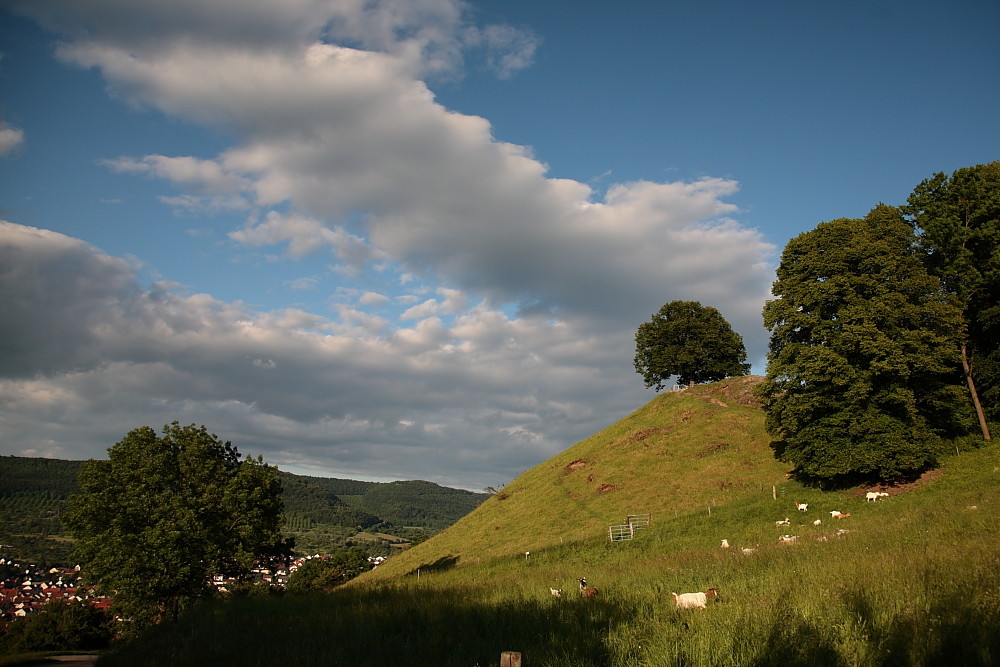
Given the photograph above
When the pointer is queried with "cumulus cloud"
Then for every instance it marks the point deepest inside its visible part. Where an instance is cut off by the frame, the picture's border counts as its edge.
(10, 139)
(87, 350)
(523, 292)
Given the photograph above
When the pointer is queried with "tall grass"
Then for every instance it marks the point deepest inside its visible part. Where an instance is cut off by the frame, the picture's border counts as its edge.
(916, 581)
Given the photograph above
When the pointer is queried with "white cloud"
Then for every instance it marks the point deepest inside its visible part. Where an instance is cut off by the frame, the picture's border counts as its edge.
(10, 139)
(524, 291)
(373, 299)
(91, 355)
(508, 49)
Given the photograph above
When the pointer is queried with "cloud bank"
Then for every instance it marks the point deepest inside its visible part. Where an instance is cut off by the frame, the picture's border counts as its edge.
(523, 346)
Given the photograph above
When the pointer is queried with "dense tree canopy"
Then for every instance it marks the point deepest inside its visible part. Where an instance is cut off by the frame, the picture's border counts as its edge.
(323, 574)
(861, 375)
(957, 219)
(163, 514)
(691, 341)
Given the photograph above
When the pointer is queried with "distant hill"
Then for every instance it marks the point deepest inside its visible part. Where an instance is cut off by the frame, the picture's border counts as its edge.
(321, 513)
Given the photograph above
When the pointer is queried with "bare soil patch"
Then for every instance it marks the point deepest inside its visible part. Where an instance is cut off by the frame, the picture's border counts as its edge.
(711, 448)
(903, 487)
(734, 390)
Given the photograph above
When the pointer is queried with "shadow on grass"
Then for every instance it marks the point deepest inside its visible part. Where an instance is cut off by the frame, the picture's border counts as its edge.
(951, 631)
(440, 565)
(795, 642)
(468, 627)
(381, 627)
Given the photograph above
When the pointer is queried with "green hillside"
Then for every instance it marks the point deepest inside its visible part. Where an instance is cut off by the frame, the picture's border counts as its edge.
(912, 579)
(683, 452)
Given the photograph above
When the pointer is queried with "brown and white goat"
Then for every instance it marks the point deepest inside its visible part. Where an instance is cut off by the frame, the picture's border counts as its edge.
(586, 592)
(694, 600)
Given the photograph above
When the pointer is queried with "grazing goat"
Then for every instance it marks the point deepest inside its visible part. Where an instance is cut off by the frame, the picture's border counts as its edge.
(694, 600)
(556, 592)
(725, 544)
(586, 592)
(786, 522)
(817, 522)
(872, 496)
(802, 507)
(837, 514)
(788, 539)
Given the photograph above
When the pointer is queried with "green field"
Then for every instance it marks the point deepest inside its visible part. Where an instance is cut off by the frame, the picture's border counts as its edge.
(914, 581)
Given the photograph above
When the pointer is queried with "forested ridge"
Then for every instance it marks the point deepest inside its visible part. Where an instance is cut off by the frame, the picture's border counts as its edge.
(321, 513)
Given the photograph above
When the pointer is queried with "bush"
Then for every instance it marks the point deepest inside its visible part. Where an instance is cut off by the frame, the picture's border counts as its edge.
(59, 626)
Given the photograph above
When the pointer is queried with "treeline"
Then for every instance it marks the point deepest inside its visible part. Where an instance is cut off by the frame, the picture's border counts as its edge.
(322, 514)
(885, 335)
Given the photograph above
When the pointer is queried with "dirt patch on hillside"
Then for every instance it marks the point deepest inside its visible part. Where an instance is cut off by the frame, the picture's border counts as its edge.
(641, 434)
(902, 487)
(711, 448)
(605, 488)
(733, 390)
(575, 465)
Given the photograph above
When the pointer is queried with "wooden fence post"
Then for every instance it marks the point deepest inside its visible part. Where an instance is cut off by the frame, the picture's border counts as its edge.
(511, 659)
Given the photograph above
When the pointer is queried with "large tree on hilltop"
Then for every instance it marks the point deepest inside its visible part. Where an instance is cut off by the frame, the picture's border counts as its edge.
(157, 519)
(691, 341)
(957, 220)
(861, 365)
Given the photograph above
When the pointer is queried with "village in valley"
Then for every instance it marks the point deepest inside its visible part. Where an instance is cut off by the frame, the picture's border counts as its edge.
(27, 588)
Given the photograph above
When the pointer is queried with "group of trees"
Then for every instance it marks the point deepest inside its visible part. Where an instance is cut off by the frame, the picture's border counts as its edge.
(885, 335)
(323, 574)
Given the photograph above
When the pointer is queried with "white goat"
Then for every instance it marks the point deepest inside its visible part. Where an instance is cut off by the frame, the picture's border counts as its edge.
(802, 507)
(872, 496)
(786, 522)
(694, 600)
(788, 539)
(817, 522)
(556, 592)
(725, 544)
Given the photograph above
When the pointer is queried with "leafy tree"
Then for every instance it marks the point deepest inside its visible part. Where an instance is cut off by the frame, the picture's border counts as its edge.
(323, 574)
(691, 341)
(957, 219)
(162, 515)
(861, 367)
(59, 626)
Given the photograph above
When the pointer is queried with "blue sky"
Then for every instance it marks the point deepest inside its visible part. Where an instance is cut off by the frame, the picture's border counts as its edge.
(414, 239)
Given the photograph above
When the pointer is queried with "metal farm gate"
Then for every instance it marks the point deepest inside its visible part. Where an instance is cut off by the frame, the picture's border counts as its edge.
(627, 530)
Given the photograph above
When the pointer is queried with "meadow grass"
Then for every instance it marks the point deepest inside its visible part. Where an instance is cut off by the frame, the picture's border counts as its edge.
(916, 581)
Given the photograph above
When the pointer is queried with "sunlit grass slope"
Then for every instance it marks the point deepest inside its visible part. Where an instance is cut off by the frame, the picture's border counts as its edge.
(910, 580)
(689, 450)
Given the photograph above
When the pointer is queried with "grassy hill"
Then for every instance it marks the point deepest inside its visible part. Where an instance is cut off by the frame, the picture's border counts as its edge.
(913, 579)
(683, 452)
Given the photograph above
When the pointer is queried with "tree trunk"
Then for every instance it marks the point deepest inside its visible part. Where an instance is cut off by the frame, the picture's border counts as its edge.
(975, 395)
